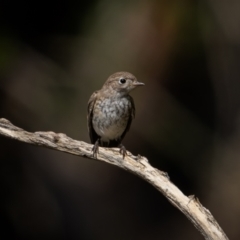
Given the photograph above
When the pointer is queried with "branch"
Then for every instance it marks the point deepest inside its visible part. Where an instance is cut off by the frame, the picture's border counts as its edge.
(190, 206)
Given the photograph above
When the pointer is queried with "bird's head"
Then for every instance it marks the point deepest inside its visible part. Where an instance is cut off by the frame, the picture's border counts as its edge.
(122, 82)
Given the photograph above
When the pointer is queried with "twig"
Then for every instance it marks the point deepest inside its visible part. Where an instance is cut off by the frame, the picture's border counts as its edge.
(190, 206)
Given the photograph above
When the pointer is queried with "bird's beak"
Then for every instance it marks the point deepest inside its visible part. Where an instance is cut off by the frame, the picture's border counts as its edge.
(138, 83)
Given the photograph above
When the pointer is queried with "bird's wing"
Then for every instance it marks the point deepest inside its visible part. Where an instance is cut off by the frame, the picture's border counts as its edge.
(92, 134)
(131, 117)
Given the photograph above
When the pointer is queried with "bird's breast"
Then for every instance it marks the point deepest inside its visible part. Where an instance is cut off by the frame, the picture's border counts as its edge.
(110, 117)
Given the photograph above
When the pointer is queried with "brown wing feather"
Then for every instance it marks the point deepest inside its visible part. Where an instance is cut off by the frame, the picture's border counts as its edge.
(131, 117)
(92, 134)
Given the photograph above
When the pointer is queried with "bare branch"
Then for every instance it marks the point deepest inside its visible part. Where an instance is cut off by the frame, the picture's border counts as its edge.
(190, 206)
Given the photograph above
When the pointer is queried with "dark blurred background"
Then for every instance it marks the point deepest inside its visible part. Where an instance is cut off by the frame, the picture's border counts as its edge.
(53, 55)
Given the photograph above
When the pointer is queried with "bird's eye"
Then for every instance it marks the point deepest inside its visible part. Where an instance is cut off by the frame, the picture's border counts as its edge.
(122, 80)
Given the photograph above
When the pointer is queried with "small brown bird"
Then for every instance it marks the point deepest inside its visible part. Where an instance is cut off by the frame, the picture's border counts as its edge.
(111, 110)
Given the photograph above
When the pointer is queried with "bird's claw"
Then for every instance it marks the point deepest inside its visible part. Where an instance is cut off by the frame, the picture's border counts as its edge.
(95, 149)
(123, 151)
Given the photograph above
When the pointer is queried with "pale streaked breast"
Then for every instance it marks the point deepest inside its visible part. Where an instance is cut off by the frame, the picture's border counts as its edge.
(110, 117)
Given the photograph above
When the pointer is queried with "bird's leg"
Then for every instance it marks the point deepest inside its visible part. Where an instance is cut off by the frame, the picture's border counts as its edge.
(95, 149)
(123, 150)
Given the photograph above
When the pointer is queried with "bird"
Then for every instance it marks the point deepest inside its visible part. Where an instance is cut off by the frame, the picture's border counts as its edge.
(110, 112)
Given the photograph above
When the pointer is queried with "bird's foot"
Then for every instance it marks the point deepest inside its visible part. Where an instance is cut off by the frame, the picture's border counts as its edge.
(95, 149)
(123, 150)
